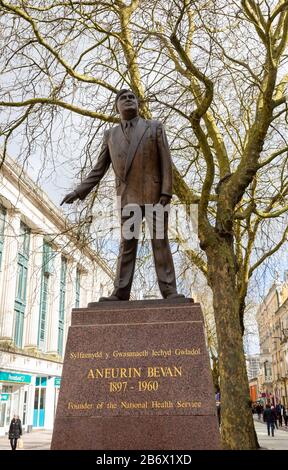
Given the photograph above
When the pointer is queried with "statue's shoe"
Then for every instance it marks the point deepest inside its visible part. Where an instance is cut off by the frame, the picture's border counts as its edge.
(111, 298)
(175, 296)
(114, 298)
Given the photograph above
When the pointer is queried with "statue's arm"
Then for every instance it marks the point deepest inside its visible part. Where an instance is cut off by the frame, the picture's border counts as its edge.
(166, 161)
(95, 175)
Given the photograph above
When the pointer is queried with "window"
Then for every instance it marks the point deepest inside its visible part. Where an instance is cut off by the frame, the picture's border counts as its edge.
(101, 289)
(47, 269)
(41, 381)
(39, 402)
(43, 310)
(24, 408)
(77, 299)
(21, 286)
(62, 305)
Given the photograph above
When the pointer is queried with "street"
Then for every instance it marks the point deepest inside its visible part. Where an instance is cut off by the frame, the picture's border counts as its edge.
(40, 440)
(278, 442)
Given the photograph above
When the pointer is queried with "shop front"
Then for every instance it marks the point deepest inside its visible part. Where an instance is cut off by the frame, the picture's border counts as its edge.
(14, 391)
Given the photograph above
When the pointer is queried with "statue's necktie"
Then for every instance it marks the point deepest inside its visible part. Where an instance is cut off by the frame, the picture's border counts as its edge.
(129, 130)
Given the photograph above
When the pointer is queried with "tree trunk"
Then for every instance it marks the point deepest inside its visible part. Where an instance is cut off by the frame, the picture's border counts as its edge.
(237, 427)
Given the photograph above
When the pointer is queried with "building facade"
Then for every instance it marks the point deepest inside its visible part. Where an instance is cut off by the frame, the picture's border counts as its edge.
(44, 273)
(272, 319)
(252, 365)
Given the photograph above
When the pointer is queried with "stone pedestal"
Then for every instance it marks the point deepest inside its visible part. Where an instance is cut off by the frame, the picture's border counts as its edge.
(136, 376)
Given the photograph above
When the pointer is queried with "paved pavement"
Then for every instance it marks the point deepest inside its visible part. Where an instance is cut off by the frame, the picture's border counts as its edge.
(35, 440)
(278, 442)
(40, 440)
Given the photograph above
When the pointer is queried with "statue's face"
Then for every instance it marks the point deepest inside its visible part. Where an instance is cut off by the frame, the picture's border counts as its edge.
(127, 105)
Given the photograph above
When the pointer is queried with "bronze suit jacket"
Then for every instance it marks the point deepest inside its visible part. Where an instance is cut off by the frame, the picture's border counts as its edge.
(143, 168)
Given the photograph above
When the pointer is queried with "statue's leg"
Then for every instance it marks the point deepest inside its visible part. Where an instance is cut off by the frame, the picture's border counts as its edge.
(126, 258)
(162, 254)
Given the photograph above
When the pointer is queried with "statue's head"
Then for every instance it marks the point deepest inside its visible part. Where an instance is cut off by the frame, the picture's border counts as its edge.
(126, 104)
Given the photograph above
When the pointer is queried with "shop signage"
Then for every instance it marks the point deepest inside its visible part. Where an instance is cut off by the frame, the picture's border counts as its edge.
(4, 396)
(16, 378)
(57, 381)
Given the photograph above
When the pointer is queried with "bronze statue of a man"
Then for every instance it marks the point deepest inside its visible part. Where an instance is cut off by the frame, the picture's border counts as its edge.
(140, 156)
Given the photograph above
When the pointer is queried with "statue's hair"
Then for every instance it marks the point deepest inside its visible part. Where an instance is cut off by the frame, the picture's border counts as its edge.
(119, 93)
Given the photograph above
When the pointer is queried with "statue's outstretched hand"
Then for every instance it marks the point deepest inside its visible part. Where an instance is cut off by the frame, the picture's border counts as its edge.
(164, 200)
(69, 198)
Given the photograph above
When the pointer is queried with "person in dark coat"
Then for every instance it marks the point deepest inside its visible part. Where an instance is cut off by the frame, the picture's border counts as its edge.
(280, 413)
(259, 411)
(285, 414)
(274, 413)
(15, 431)
(269, 418)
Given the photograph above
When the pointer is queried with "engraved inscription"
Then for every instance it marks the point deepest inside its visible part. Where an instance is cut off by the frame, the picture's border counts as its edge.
(160, 377)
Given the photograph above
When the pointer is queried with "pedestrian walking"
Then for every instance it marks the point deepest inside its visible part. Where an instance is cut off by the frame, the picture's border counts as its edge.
(274, 413)
(259, 411)
(278, 413)
(269, 418)
(285, 416)
(15, 431)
